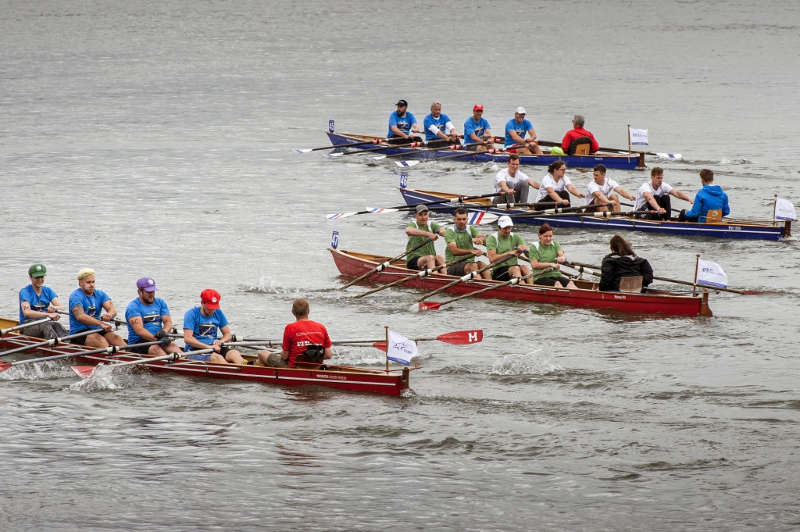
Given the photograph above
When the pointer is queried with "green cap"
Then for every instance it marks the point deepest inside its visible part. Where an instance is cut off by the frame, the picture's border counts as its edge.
(37, 270)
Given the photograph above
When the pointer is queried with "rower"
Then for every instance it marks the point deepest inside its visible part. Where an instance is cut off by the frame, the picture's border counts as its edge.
(604, 190)
(514, 182)
(547, 255)
(38, 301)
(439, 130)
(517, 129)
(200, 326)
(418, 231)
(577, 136)
(401, 124)
(460, 239)
(622, 262)
(304, 340)
(710, 202)
(654, 195)
(556, 187)
(477, 131)
(85, 306)
(504, 243)
(149, 320)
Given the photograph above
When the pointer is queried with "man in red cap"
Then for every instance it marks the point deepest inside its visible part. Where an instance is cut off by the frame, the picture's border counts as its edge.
(477, 131)
(200, 326)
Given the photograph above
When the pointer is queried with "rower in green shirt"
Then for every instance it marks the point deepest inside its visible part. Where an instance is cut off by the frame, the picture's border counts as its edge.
(418, 231)
(547, 254)
(460, 241)
(504, 243)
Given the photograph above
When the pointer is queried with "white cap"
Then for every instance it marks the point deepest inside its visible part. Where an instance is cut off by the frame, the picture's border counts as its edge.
(504, 221)
(520, 110)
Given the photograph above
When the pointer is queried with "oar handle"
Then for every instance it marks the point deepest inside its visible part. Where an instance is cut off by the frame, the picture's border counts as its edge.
(23, 325)
(51, 342)
(515, 280)
(387, 263)
(421, 273)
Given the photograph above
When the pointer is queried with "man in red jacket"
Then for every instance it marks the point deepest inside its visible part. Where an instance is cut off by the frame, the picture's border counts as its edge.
(577, 132)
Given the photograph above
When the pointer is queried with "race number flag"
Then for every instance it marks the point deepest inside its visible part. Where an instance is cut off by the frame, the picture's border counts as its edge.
(638, 136)
(784, 210)
(400, 349)
(711, 274)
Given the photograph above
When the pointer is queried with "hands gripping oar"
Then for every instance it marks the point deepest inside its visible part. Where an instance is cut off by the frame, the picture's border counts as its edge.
(466, 277)
(421, 273)
(432, 305)
(86, 371)
(386, 264)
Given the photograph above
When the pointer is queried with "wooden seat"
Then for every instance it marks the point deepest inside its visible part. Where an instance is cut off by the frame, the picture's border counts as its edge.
(580, 146)
(714, 216)
(632, 283)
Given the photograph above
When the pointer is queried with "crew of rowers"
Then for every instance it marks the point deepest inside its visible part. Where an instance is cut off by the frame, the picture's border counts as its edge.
(520, 135)
(206, 330)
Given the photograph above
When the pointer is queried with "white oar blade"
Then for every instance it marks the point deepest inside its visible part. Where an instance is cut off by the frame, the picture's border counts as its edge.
(406, 164)
(378, 210)
(338, 215)
(674, 156)
(336, 154)
(303, 150)
(481, 217)
(379, 157)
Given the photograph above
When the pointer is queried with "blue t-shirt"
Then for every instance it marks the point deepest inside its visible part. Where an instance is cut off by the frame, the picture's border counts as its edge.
(92, 305)
(520, 127)
(204, 328)
(38, 303)
(150, 314)
(438, 122)
(404, 122)
(471, 126)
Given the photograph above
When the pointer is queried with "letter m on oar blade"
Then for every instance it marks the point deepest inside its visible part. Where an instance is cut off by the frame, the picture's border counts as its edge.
(474, 336)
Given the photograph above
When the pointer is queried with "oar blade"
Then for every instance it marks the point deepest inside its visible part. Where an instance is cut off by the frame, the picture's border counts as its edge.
(407, 164)
(462, 337)
(379, 210)
(481, 218)
(674, 156)
(304, 150)
(339, 215)
(83, 371)
(4, 366)
(428, 305)
(380, 345)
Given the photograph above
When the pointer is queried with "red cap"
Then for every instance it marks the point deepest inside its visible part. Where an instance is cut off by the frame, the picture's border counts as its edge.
(210, 298)
(478, 107)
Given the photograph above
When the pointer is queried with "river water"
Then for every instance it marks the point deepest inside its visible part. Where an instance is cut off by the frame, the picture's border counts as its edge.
(157, 138)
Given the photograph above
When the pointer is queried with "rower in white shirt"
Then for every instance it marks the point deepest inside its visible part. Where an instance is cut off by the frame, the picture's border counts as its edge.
(654, 195)
(603, 190)
(556, 187)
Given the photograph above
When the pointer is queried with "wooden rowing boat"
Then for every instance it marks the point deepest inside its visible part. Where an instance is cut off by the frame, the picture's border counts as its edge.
(624, 161)
(344, 378)
(755, 230)
(352, 264)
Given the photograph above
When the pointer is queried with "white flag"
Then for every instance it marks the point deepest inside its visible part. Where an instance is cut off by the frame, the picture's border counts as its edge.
(638, 136)
(711, 274)
(784, 210)
(400, 349)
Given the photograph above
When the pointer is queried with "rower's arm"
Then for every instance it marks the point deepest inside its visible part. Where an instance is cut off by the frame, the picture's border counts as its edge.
(137, 324)
(111, 312)
(190, 340)
(226, 334)
(680, 195)
(574, 191)
(651, 200)
(413, 231)
(81, 316)
(625, 194)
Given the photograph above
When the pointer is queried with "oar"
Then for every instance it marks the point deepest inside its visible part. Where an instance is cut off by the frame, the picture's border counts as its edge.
(420, 147)
(411, 162)
(432, 305)
(115, 321)
(619, 150)
(23, 325)
(455, 338)
(86, 371)
(632, 205)
(52, 341)
(467, 277)
(676, 281)
(110, 350)
(383, 146)
(308, 150)
(421, 273)
(384, 265)
(379, 210)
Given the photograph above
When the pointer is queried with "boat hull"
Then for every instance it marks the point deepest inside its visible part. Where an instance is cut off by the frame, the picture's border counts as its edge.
(741, 231)
(352, 264)
(352, 379)
(633, 161)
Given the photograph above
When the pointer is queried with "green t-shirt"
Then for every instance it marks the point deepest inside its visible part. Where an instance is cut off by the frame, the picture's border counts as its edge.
(501, 245)
(414, 241)
(546, 254)
(463, 240)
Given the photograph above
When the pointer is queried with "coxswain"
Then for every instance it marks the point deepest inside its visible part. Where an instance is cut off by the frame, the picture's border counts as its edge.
(304, 341)
(578, 131)
(709, 198)
(623, 262)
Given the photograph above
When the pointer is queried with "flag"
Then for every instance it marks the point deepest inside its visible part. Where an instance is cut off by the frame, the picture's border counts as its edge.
(638, 136)
(711, 274)
(784, 210)
(400, 349)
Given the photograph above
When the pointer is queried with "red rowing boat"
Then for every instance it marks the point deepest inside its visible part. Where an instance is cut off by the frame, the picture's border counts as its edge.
(344, 378)
(353, 264)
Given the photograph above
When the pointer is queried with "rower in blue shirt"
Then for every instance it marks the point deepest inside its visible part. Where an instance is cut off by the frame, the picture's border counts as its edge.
(516, 130)
(149, 321)
(401, 124)
(38, 301)
(86, 306)
(439, 130)
(477, 131)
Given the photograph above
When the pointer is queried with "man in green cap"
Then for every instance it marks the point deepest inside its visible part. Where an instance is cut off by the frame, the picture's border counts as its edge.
(37, 301)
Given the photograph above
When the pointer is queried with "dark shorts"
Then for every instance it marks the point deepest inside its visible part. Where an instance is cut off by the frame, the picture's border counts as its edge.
(411, 264)
(439, 143)
(501, 273)
(551, 281)
(401, 140)
(548, 203)
(458, 268)
(81, 340)
(663, 202)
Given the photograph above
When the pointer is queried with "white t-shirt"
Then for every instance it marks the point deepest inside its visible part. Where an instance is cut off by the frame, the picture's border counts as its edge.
(511, 182)
(549, 182)
(663, 190)
(606, 188)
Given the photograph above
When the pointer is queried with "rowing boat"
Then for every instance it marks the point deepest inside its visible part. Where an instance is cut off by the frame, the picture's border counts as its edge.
(624, 161)
(345, 378)
(750, 230)
(352, 264)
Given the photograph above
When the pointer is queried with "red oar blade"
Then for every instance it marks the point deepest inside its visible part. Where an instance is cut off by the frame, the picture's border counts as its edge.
(4, 366)
(428, 305)
(380, 345)
(462, 337)
(83, 371)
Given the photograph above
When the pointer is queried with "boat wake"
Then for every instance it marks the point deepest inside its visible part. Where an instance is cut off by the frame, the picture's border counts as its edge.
(40, 371)
(266, 285)
(524, 364)
(104, 377)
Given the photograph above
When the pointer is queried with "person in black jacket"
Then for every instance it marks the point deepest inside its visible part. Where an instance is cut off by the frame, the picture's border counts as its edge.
(623, 262)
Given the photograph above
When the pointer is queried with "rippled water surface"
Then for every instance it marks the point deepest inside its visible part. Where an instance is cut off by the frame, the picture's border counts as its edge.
(158, 139)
